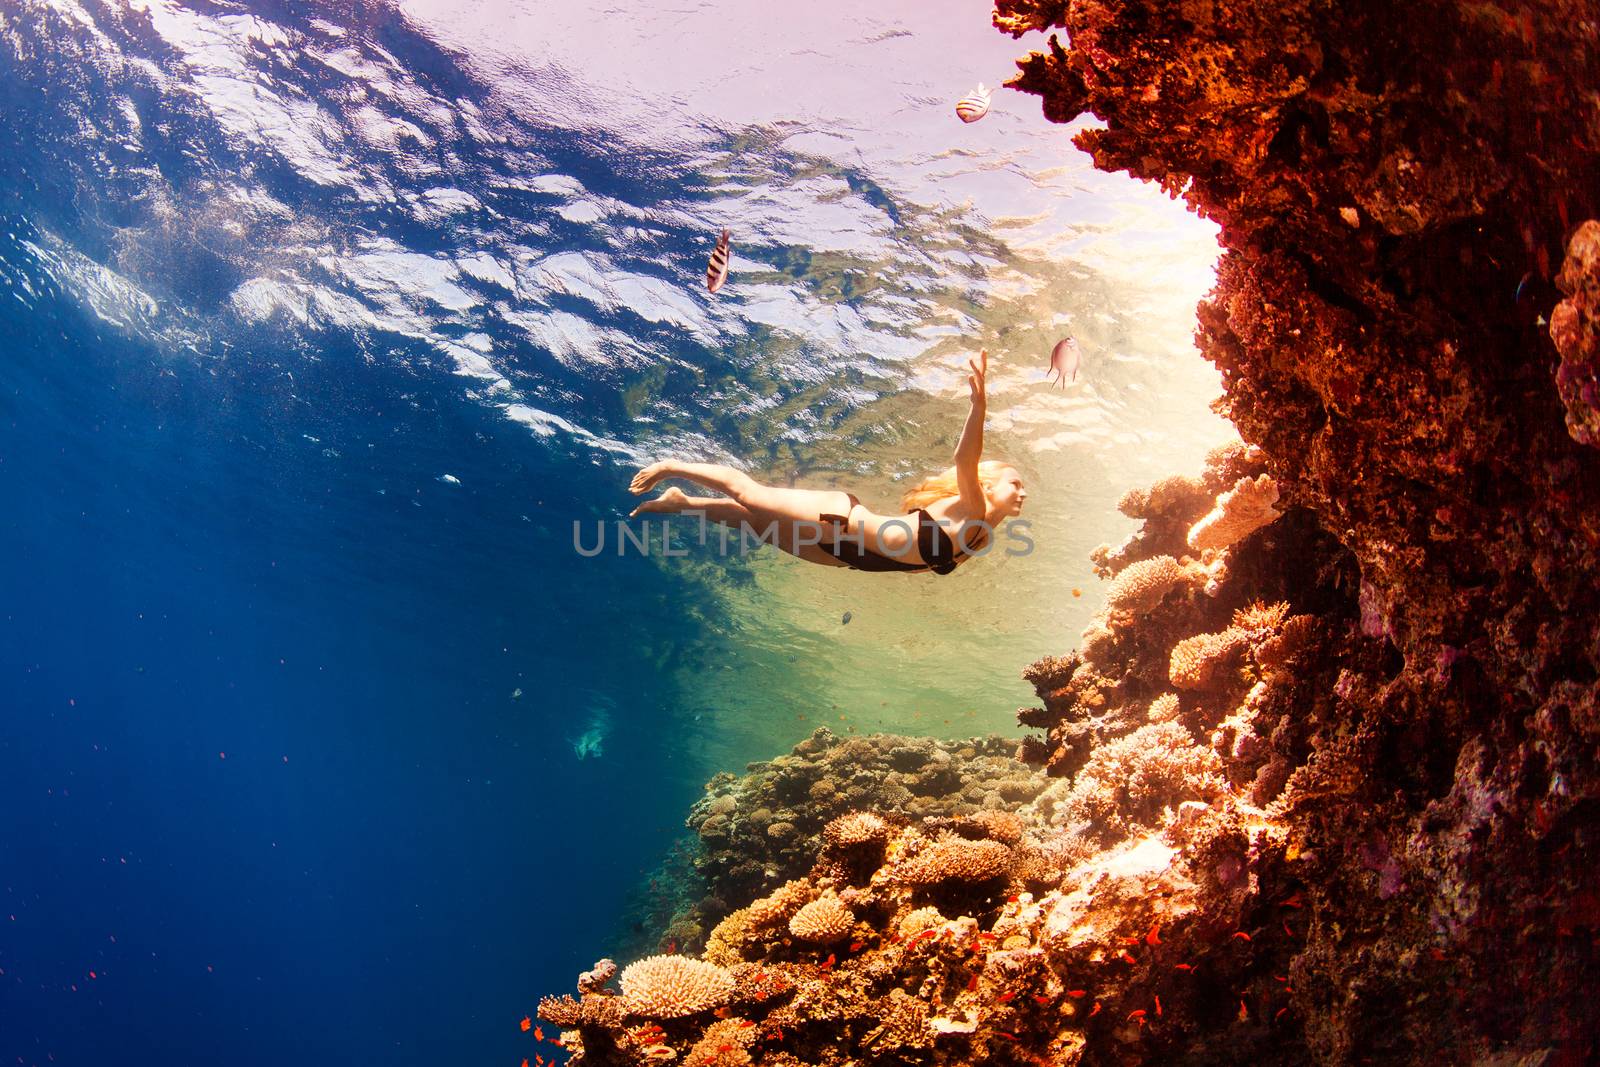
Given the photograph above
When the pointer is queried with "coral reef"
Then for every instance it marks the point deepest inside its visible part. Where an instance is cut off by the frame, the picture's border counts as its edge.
(980, 964)
(756, 831)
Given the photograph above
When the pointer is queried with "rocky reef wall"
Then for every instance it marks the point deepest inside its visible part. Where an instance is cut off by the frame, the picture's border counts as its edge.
(1404, 322)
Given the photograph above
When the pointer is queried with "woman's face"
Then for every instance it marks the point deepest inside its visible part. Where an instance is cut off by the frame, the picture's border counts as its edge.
(1008, 492)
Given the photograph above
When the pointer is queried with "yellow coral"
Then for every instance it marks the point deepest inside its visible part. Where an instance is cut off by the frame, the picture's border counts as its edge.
(1002, 826)
(728, 938)
(919, 920)
(724, 1044)
(1141, 586)
(1127, 782)
(1163, 708)
(957, 859)
(667, 987)
(1242, 510)
(1294, 635)
(822, 921)
(777, 906)
(1199, 661)
(1261, 616)
(855, 828)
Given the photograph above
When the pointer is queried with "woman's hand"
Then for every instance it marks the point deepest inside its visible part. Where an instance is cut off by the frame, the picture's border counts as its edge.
(975, 380)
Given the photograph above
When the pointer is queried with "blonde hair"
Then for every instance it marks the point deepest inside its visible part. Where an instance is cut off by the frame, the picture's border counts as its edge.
(943, 485)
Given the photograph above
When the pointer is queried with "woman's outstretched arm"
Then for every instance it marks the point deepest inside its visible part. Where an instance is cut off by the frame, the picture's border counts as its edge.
(969, 451)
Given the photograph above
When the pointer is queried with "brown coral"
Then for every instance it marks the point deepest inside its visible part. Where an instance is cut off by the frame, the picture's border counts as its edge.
(823, 921)
(669, 987)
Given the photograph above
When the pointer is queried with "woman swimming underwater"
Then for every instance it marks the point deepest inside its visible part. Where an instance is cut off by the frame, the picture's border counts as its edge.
(948, 517)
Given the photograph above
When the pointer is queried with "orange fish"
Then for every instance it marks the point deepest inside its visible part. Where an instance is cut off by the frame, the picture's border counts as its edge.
(1040, 998)
(1129, 958)
(1244, 1012)
(1184, 966)
(972, 984)
(1076, 993)
(1096, 1010)
(1158, 1005)
(538, 1033)
(1002, 1033)
(1241, 934)
(1137, 1013)
(1153, 937)
(1278, 1016)
(1006, 996)
(1064, 362)
(527, 1024)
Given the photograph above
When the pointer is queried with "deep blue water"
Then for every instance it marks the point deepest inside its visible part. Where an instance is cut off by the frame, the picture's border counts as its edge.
(371, 869)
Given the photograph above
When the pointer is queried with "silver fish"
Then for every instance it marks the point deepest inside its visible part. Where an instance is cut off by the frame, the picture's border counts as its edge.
(974, 105)
(1064, 362)
(717, 269)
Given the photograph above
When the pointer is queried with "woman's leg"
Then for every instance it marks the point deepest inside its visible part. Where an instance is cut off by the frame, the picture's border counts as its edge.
(770, 529)
(789, 505)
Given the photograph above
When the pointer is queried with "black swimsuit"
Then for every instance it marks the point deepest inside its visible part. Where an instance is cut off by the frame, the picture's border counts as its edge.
(936, 547)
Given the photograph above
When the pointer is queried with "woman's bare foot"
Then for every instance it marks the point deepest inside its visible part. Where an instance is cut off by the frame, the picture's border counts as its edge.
(671, 502)
(647, 478)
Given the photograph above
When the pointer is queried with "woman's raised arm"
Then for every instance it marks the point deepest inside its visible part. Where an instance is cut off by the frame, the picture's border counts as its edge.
(969, 451)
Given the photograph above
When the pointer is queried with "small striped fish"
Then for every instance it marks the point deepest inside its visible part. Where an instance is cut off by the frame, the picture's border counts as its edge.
(717, 269)
(973, 106)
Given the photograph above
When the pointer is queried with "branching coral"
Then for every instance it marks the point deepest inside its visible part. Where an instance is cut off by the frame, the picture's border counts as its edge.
(1128, 782)
(1240, 511)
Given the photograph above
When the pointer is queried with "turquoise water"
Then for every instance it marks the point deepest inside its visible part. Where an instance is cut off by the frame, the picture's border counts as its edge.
(324, 328)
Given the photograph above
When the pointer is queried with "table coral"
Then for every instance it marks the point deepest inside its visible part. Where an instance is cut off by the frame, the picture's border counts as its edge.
(667, 987)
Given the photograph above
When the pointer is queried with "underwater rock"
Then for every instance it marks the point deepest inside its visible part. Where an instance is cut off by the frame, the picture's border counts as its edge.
(1575, 331)
(1380, 191)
